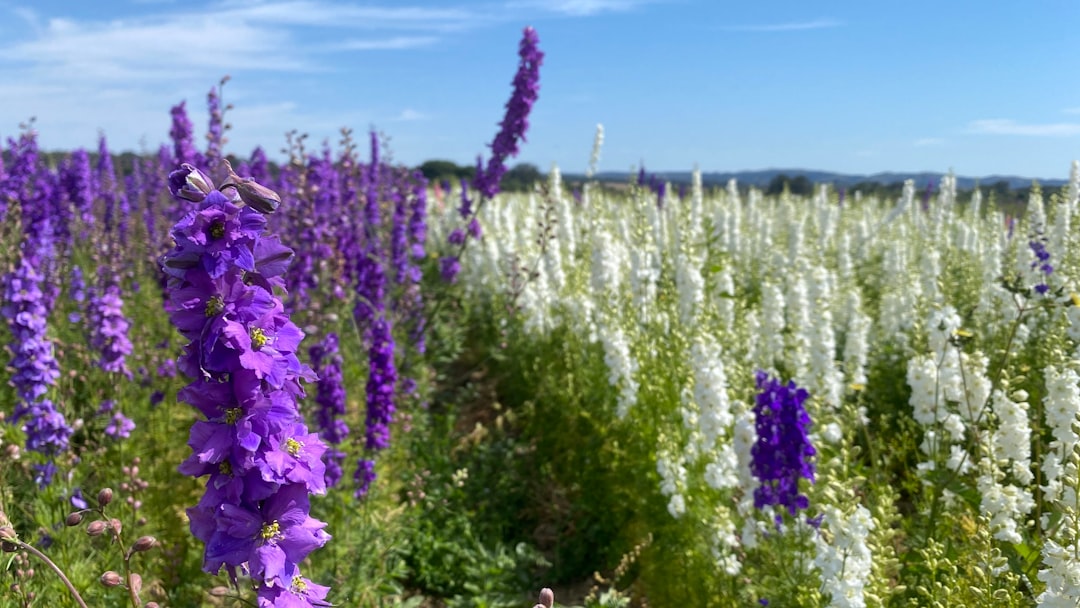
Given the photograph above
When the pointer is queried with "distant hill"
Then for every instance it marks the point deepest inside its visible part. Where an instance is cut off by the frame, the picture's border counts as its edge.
(761, 178)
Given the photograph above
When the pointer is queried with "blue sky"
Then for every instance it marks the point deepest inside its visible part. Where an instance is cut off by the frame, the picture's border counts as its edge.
(855, 87)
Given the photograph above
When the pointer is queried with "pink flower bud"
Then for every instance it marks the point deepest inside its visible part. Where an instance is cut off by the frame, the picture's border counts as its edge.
(96, 527)
(73, 519)
(547, 597)
(111, 579)
(145, 543)
(104, 497)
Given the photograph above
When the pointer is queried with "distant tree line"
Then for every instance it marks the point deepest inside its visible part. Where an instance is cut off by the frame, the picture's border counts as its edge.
(519, 178)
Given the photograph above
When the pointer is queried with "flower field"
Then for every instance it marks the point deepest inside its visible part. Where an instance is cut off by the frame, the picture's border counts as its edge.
(231, 382)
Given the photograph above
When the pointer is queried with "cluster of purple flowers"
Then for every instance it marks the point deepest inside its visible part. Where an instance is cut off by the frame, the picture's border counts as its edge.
(1041, 263)
(261, 460)
(330, 395)
(35, 367)
(108, 325)
(783, 453)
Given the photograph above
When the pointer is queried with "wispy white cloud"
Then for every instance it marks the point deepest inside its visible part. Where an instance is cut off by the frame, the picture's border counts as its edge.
(580, 8)
(126, 72)
(929, 141)
(385, 44)
(787, 26)
(1004, 126)
(409, 114)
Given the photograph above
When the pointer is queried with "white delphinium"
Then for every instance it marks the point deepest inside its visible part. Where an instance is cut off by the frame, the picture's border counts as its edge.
(1060, 549)
(672, 472)
(769, 347)
(824, 378)
(1061, 406)
(845, 560)
(856, 344)
(743, 438)
(1007, 504)
(609, 257)
(724, 297)
(929, 270)
(536, 302)
(1011, 440)
(710, 391)
(691, 287)
(622, 367)
(1036, 212)
(797, 351)
(643, 277)
(732, 220)
(844, 264)
(975, 207)
(905, 204)
(949, 391)
(726, 545)
(594, 158)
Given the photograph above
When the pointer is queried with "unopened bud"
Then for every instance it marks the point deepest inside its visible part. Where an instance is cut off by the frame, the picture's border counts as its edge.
(547, 597)
(189, 184)
(145, 543)
(111, 579)
(73, 519)
(104, 497)
(96, 528)
(116, 525)
(255, 195)
(219, 591)
(150, 605)
(136, 582)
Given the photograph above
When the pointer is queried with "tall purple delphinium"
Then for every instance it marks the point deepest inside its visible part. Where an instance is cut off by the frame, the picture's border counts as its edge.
(215, 133)
(330, 395)
(782, 454)
(108, 190)
(516, 121)
(512, 130)
(183, 137)
(417, 237)
(36, 369)
(78, 183)
(246, 379)
(108, 325)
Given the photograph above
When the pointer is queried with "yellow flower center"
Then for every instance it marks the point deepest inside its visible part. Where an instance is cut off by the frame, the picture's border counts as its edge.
(270, 530)
(217, 230)
(232, 415)
(258, 337)
(293, 446)
(214, 306)
(225, 468)
(298, 584)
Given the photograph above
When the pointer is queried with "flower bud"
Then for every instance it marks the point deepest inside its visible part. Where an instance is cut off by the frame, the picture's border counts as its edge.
(96, 528)
(145, 543)
(547, 597)
(116, 525)
(104, 497)
(73, 519)
(111, 579)
(254, 194)
(189, 184)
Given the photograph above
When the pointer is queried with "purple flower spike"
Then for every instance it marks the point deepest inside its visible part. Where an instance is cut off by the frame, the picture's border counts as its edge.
(35, 367)
(260, 459)
(783, 453)
(516, 121)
